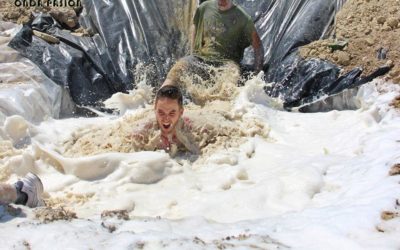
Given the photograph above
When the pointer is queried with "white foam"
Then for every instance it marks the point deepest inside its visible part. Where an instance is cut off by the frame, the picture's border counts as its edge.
(24, 89)
(139, 97)
(316, 181)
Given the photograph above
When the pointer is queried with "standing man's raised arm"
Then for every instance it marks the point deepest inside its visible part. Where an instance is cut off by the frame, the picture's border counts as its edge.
(258, 52)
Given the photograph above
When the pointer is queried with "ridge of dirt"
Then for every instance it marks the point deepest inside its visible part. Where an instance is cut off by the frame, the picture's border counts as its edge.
(371, 29)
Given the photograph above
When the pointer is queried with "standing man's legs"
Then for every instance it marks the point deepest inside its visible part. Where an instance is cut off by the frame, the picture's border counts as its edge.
(193, 67)
(186, 66)
(202, 80)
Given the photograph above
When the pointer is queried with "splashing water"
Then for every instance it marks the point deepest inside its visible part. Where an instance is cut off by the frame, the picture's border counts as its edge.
(136, 98)
(217, 124)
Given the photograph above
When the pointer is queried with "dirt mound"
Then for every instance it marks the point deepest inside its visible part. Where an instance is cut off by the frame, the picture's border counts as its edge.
(15, 11)
(367, 36)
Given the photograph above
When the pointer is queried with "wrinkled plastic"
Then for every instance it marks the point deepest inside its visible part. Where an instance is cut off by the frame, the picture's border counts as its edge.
(129, 32)
(337, 95)
(154, 32)
(345, 100)
(24, 89)
(289, 24)
(74, 63)
(284, 27)
(126, 33)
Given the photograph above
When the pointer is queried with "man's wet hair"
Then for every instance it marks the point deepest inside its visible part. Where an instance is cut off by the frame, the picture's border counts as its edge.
(171, 92)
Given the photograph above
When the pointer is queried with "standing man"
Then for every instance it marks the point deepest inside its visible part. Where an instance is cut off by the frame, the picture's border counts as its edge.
(220, 33)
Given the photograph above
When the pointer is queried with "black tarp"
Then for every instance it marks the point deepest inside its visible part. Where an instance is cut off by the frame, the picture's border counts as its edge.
(155, 32)
(126, 33)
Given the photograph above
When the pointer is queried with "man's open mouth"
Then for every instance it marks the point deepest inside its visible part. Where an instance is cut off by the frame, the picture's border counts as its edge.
(166, 126)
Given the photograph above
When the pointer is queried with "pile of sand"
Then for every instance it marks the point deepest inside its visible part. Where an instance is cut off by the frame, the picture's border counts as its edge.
(66, 16)
(371, 29)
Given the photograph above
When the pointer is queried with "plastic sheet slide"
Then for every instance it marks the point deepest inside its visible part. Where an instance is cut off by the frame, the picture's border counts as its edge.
(155, 33)
(24, 89)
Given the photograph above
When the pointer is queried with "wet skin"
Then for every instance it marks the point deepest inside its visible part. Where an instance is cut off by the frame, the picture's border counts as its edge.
(168, 111)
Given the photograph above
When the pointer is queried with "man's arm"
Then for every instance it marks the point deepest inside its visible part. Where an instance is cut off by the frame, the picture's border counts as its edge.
(185, 136)
(192, 38)
(258, 52)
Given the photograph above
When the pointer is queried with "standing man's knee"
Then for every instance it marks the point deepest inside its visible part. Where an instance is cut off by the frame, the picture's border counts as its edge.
(177, 71)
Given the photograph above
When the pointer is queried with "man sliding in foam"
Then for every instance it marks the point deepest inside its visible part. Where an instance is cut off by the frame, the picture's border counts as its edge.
(175, 130)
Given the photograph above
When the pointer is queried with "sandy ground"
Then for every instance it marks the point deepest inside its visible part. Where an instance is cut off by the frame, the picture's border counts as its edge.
(371, 30)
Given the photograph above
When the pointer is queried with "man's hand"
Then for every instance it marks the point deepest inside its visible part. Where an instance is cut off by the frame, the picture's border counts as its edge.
(258, 52)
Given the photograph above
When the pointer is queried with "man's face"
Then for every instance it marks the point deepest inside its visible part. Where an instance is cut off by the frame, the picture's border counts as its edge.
(168, 113)
(224, 4)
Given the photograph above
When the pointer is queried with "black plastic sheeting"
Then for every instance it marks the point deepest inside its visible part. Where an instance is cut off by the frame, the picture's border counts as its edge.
(128, 33)
(152, 32)
(285, 26)
(73, 64)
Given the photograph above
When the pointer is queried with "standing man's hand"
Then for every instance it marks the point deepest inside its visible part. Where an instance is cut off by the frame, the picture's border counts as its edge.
(258, 52)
